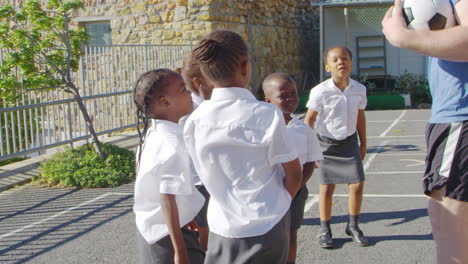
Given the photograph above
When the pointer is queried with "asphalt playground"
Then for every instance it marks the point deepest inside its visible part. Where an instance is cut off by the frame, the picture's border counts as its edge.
(39, 224)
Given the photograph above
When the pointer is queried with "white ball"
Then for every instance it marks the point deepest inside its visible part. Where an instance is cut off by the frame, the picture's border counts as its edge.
(428, 14)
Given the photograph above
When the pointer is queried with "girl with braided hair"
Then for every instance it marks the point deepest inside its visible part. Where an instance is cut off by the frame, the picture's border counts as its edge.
(201, 90)
(166, 200)
(240, 149)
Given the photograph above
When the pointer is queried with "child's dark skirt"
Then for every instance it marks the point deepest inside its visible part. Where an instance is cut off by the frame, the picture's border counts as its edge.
(342, 161)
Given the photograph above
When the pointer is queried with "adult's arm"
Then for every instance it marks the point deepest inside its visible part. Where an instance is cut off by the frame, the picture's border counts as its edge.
(448, 44)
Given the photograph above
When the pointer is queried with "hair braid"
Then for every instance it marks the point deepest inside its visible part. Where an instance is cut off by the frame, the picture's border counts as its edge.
(220, 54)
(149, 85)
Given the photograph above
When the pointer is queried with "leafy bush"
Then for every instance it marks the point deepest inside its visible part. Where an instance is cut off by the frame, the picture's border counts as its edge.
(417, 86)
(82, 167)
(303, 98)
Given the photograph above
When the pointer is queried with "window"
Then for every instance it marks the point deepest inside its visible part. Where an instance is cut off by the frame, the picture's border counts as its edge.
(99, 33)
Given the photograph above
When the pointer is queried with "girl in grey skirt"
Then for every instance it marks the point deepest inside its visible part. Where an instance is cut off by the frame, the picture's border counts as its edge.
(336, 108)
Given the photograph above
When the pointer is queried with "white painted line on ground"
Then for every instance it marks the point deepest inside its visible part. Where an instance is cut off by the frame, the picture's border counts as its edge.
(388, 121)
(379, 195)
(373, 155)
(59, 214)
(402, 154)
(311, 202)
(395, 172)
(406, 136)
(393, 124)
(422, 145)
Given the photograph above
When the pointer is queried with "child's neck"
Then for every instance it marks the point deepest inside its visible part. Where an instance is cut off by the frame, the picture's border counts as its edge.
(287, 118)
(341, 82)
(169, 118)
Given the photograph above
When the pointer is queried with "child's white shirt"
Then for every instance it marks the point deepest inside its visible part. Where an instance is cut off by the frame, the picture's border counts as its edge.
(305, 140)
(196, 100)
(164, 167)
(237, 144)
(338, 109)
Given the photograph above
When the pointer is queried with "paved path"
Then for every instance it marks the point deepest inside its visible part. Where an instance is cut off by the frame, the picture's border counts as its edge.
(57, 225)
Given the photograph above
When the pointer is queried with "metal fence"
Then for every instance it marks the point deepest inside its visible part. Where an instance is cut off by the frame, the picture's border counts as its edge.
(49, 117)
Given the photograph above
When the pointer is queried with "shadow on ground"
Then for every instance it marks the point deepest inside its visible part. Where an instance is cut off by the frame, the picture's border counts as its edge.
(400, 217)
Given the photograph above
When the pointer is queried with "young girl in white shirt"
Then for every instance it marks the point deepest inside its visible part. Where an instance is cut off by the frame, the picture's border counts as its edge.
(336, 108)
(241, 151)
(165, 197)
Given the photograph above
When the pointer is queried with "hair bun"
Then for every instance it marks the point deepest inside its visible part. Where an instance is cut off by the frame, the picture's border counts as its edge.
(207, 50)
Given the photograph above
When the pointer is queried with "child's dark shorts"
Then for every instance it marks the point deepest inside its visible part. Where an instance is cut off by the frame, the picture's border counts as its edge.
(163, 252)
(297, 207)
(201, 217)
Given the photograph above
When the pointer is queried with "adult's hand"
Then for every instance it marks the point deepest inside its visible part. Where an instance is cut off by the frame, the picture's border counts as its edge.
(394, 25)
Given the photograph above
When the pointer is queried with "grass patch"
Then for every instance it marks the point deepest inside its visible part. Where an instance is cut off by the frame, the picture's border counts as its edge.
(82, 167)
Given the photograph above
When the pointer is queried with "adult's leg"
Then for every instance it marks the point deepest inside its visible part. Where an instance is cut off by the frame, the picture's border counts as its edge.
(449, 220)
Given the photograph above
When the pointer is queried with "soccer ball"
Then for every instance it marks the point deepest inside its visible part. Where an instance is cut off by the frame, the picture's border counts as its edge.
(428, 14)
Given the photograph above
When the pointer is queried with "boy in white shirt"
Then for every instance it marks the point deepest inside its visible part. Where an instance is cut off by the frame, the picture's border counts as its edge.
(280, 89)
(240, 150)
(165, 197)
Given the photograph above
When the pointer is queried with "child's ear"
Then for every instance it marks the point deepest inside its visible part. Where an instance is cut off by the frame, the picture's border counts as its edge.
(163, 101)
(245, 67)
(196, 83)
(327, 68)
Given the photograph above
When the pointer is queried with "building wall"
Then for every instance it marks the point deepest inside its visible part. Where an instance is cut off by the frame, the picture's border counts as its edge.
(282, 34)
(365, 21)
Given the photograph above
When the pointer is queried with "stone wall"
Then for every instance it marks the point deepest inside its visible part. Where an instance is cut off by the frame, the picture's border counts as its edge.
(282, 34)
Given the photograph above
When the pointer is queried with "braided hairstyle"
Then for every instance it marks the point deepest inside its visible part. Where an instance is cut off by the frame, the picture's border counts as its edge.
(220, 54)
(190, 70)
(149, 86)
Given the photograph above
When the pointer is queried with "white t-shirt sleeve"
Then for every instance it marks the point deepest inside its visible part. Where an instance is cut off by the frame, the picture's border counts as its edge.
(175, 172)
(363, 103)
(315, 102)
(280, 148)
(314, 151)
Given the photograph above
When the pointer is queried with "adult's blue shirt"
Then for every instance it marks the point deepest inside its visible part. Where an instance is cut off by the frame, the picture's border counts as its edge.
(448, 82)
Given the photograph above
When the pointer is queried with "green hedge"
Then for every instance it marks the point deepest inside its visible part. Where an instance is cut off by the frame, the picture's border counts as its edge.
(374, 102)
(82, 167)
(385, 102)
(303, 98)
